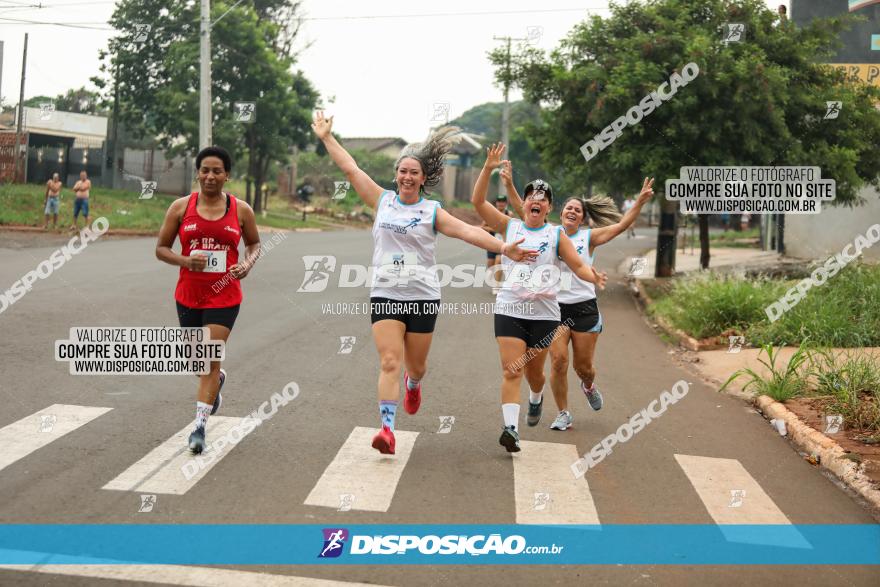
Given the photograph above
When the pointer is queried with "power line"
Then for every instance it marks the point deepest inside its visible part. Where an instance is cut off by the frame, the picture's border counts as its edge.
(74, 25)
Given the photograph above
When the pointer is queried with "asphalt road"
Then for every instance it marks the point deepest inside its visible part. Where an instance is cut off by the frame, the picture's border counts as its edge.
(459, 477)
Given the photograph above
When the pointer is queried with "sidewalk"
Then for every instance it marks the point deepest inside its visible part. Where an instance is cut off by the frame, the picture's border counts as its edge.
(688, 261)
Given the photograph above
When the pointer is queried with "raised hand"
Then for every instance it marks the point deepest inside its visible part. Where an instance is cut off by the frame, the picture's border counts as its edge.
(322, 126)
(506, 173)
(517, 254)
(493, 155)
(647, 190)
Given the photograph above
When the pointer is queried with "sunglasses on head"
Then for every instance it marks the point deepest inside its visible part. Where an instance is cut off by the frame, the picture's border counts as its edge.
(538, 190)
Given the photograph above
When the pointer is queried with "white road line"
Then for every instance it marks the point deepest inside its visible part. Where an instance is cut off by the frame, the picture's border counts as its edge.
(183, 575)
(545, 490)
(733, 497)
(359, 471)
(161, 471)
(21, 438)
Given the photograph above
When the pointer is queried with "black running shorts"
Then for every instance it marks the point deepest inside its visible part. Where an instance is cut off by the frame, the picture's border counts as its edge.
(582, 316)
(419, 316)
(198, 317)
(535, 333)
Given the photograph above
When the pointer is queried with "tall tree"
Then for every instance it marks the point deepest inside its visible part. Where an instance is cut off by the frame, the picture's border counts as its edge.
(760, 101)
(157, 78)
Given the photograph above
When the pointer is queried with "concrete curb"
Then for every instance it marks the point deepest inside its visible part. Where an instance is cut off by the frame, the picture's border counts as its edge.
(684, 339)
(828, 453)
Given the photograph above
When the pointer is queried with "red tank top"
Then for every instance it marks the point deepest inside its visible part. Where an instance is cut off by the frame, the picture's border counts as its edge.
(214, 287)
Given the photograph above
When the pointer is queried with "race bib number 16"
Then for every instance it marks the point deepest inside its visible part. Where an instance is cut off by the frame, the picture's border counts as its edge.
(216, 261)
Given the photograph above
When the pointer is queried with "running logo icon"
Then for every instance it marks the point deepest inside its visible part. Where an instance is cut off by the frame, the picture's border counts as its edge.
(245, 111)
(47, 422)
(318, 270)
(733, 32)
(638, 265)
(346, 344)
(340, 189)
(346, 500)
(542, 500)
(147, 189)
(446, 423)
(147, 503)
(141, 31)
(46, 110)
(833, 423)
(534, 34)
(440, 112)
(412, 224)
(736, 498)
(334, 540)
(833, 109)
(735, 344)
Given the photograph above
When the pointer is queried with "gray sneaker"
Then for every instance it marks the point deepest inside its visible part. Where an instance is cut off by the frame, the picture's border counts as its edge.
(593, 396)
(535, 412)
(562, 421)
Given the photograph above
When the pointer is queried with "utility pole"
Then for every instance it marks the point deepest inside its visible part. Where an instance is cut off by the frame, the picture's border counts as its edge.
(205, 134)
(505, 111)
(18, 158)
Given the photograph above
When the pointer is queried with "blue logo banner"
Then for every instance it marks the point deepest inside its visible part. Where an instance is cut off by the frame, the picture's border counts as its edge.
(281, 544)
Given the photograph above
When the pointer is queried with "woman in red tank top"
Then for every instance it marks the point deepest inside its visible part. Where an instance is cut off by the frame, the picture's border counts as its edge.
(210, 224)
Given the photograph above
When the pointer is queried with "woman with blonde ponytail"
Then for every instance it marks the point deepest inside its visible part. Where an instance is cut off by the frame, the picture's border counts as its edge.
(405, 293)
(577, 304)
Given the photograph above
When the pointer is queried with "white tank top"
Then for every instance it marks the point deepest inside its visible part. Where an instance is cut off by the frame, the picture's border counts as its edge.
(579, 290)
(404, 236)
(531, 285)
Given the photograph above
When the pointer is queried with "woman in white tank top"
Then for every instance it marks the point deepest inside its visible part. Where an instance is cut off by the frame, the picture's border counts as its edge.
(405, 296)
(526, 311)
(577, 303)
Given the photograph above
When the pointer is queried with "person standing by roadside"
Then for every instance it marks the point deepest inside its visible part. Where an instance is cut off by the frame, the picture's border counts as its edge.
(53, 196)
(81, 203)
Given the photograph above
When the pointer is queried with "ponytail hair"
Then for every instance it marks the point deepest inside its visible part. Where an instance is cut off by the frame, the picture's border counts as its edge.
(602, 210)
(431, 154)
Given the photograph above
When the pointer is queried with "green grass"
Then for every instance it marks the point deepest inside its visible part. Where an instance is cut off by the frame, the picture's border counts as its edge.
(782, 383)
(841, 313)
(23, 204)
(849, 385)
(710, 304)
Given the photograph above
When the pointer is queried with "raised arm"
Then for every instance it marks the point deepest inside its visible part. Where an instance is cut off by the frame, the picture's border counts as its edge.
(451, 226)
(368, 190)
(512, 195)
(489, 213)
(602, 235)
(586, 272)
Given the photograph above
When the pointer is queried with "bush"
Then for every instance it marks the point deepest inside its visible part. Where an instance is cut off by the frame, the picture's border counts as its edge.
(709, 304)
(844, 312)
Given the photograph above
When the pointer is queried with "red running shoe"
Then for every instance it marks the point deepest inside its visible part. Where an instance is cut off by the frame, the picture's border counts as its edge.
(384, 441)
(413, 398)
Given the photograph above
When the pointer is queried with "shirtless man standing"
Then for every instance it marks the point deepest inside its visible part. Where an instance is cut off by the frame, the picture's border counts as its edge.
(81, 189)
(53, 195)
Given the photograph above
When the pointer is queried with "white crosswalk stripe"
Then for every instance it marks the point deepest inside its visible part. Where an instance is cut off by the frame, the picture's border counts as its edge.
(170, 468)
(359, 478)
(182, 575)
(33, 432)
(733, 497)
(545, 490)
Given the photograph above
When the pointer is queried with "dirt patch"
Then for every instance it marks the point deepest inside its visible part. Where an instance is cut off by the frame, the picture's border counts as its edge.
(812, 413)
